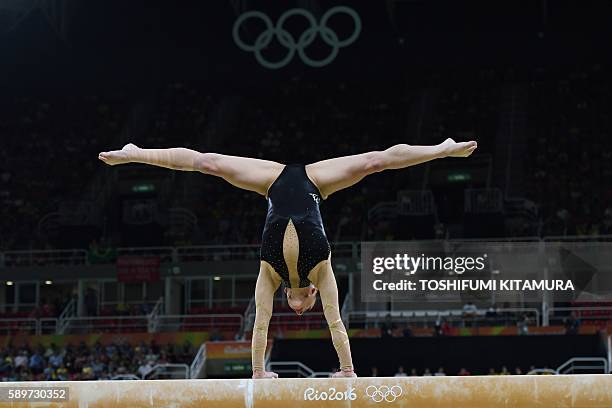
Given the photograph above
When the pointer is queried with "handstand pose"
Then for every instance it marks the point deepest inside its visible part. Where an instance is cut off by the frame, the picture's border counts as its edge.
(294, 247)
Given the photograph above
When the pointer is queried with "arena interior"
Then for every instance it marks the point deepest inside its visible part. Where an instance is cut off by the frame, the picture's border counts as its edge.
(147, 275)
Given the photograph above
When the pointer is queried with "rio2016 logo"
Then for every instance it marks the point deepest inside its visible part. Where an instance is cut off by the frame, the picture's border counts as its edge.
(332, 394)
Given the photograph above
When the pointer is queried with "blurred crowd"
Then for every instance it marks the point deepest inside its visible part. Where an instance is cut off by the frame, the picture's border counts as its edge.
(45, 140)
(568, 158)
(83, 362)
(441, 371)
(571, 151)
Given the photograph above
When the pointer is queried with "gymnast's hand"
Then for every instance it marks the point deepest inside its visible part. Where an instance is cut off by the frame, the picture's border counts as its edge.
(264, 374)
(450, 148)
(342, 373)
(119, 156)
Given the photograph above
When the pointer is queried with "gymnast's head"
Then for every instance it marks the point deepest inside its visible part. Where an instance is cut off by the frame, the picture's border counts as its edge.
(301, 299)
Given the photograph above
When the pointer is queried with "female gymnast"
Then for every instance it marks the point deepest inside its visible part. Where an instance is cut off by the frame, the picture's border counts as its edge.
(294, 247)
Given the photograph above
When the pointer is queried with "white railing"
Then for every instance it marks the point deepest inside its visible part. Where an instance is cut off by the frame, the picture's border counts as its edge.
(217, 253)
(18, 325)
(249, 318)
(45, 257)
(153, 317)
(106, 323)
(346, 309)
(166, 254)
(136, 323)
(199, 363)
(69, 311)
(368, 317)
(226, 252)
(126, 377)
(570, 366)
(579, 312)
(291, 319)
(542, 371)
(295, 367)
(47, 325)
(216, 321)
(26, 325)
(610, 353)
(168, 371)
(596, 363)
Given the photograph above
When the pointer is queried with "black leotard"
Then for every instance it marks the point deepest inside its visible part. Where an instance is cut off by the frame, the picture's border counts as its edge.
(293, 196)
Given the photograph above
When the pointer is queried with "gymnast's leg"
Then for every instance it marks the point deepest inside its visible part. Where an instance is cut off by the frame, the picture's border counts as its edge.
(243, 172)
(336, 174)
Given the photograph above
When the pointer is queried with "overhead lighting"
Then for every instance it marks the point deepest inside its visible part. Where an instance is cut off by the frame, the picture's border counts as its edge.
(48, 282)
(217, 278)
(9, 283)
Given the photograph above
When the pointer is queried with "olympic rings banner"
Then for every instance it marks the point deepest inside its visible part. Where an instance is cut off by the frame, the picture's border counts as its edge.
(293, 45)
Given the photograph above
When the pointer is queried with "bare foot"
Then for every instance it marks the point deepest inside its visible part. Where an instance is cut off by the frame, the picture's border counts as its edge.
(458, 149)
(118, 156)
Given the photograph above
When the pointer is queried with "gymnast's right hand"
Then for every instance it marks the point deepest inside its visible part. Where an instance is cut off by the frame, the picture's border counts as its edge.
(118, 156)
(264, 374)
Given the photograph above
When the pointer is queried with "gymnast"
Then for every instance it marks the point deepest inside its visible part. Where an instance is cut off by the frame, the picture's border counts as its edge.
(294, 248)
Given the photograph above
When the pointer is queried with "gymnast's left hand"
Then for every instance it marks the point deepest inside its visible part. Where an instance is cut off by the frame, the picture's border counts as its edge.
(343, 374)
(264, 374)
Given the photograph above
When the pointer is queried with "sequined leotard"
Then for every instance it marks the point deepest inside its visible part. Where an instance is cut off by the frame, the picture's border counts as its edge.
(293, 240)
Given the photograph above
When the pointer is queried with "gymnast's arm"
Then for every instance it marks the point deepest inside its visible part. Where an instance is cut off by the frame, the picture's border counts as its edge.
(326, 283)
(265, 288)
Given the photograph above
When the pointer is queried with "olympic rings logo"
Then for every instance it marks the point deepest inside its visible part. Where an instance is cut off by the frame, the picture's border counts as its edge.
(287, 40)
(384, 393)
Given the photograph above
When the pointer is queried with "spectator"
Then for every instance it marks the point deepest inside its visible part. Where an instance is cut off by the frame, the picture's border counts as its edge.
(413, 372)
(374, 372)
(518, 371)
(441, 327)
(84, 362)
(386, 329)
(21, 361)
(504, 371)
(492, 313)
(145, 368)
(400, 372)
(470, 311)
(440, 372)
(427, 373)
(492, 371)
(572, 324)
(463, 371)
(37, 363)
(49, 373)
(56, 359)
(523, 325)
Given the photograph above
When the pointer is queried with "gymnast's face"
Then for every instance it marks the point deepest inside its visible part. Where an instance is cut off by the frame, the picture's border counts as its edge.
(301, 299)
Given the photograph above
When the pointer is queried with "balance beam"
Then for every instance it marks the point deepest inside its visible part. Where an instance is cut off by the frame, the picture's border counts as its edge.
(486, 391)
